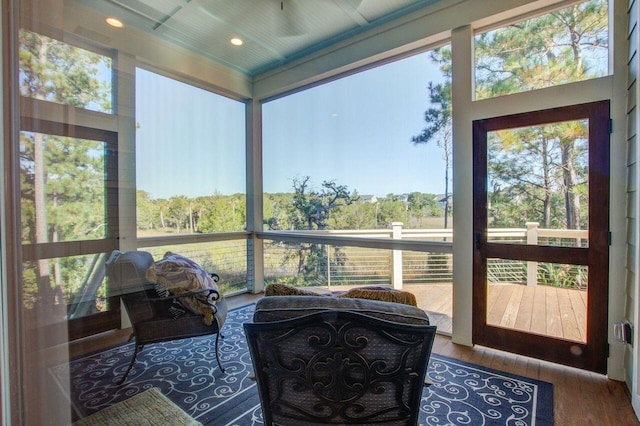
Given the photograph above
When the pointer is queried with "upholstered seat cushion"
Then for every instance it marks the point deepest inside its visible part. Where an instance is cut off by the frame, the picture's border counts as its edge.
(277, 308)
(385, 294)
(289, 290)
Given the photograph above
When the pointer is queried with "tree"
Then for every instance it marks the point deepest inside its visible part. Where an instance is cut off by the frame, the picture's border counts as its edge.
(309, 209)
(392, 208)
(421, 205)
(145, 214)
(556, 48)
(276, 215)
(438, 119)
(221, 213)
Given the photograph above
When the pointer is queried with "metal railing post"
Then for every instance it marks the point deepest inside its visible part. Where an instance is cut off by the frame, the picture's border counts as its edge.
(328, 266)
(532, 267)
(396, 257)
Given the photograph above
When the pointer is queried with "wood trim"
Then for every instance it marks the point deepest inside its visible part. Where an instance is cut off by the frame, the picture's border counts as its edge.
(32, 252)
(551, 254)
(479, 310)
(96, 323)
(13, 371)
(592, 355)
(67, 130)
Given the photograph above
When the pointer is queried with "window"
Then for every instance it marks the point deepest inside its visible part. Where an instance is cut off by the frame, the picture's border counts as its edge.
(568, 45)
(64, 196)
(366, 156)
(54, 71)
(358, 154)
(190, 159)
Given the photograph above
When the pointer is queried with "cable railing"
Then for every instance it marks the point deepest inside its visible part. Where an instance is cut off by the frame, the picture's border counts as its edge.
(328, 265)
(300, 262)
(226, 258)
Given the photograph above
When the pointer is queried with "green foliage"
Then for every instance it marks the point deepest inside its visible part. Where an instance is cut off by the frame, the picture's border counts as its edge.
(555, 48)
(311, 209)
(540, 173)
(560, 275)
(55, 71)
(531, 176)
(439, 119)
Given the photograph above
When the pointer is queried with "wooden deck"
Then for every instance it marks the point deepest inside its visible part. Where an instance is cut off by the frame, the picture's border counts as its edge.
(550, 311)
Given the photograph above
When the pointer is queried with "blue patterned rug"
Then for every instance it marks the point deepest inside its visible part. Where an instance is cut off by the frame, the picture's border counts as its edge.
(187, 373)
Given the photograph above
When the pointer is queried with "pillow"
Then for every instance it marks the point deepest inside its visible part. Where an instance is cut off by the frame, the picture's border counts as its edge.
(285, 307)
(287, 290)
(179, 275)
(384, 294)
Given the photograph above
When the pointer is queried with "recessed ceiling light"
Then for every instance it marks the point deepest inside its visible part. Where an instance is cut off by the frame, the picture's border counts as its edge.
(114, 22)
(237, 41)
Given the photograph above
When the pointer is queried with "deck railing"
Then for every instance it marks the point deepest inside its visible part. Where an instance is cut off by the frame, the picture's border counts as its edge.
(366, 266)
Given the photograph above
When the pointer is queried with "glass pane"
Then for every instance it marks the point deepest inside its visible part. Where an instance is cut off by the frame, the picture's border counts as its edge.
(226, 258)
(541, 298)
(190, 159)
(339, 268)
(568, 45)
(363, 151)
(538, 185)
(53, 71)
(66, 287)
(62, 188)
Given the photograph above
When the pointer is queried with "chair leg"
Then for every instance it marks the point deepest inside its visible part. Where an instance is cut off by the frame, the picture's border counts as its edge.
(217, 353)
(133, 360)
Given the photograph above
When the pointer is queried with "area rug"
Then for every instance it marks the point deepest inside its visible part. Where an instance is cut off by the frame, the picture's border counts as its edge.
(148, 408)
(187, 373)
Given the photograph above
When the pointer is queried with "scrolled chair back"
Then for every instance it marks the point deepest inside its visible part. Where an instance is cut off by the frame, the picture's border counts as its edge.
(340, 366)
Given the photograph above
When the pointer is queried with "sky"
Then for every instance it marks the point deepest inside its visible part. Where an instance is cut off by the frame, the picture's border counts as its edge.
(356, 131)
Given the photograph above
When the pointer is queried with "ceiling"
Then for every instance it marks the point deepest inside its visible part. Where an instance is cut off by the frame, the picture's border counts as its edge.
(274, 32)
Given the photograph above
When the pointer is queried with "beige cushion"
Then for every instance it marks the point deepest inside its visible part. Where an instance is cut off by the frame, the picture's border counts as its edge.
(287, 290)
(277, 308)
(382, 293)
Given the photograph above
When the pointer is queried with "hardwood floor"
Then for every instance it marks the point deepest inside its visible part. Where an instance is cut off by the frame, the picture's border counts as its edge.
(580, 398)
(545, 310)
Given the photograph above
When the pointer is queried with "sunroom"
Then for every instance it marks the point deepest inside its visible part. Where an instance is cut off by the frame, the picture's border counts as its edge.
(481, 155)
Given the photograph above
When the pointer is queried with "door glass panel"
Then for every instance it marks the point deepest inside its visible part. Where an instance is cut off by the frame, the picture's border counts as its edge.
(542, 298)
(63, 194)
(537, 185)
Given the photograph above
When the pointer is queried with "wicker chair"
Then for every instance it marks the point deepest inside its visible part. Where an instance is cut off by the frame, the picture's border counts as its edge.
(151, 316)
(322, 360)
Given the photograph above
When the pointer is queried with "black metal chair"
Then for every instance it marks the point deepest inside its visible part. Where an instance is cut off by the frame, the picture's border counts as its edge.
(152, 317)
(343, 362)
